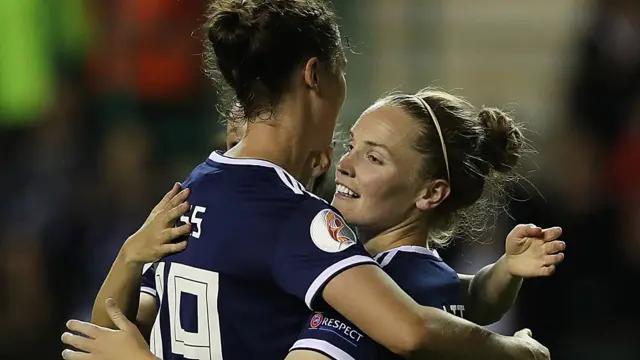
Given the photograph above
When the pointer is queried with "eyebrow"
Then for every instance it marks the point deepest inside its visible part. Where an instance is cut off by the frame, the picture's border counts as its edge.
(373, 143)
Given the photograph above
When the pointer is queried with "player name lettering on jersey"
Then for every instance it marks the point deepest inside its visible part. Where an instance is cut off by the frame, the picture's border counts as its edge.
(195, 219)
(337, 326)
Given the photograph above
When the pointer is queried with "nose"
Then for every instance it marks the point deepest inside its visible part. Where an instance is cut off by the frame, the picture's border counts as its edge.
(345, 166)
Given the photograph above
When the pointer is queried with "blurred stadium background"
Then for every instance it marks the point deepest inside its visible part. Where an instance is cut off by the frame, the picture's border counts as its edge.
(103, 106)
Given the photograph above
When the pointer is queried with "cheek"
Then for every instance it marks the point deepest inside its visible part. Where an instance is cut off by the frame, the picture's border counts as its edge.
(383, 196)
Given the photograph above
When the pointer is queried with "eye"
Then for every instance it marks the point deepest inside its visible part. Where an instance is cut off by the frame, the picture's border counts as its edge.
(348, 147)
(374, 159)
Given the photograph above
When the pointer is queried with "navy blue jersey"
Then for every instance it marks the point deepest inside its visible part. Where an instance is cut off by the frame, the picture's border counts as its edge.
(260, 251)
(419, 271)
(148, 283)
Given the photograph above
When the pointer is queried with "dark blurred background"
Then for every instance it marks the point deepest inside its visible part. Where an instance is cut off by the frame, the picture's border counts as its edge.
(103, 105)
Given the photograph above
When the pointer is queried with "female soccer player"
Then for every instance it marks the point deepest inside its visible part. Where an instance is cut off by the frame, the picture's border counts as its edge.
(262, 251)
(405, 255)
(398, 184)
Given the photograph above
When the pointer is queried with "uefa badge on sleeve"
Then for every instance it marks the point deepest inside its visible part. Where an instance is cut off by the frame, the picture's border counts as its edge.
(330, 232)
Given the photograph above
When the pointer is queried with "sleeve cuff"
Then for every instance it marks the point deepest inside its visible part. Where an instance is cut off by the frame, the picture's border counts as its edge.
(323, 347)
(331, 272)
(148, 290)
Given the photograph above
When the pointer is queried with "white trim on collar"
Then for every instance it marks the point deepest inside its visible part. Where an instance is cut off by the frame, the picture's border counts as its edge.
(411, 248)
(294, 184)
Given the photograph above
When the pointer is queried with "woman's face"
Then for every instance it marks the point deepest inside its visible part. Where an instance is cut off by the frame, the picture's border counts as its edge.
(377, 180)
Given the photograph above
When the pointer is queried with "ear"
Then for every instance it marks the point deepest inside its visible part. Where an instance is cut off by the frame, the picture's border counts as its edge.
(321, 162)
(311, 76)
(433, 195)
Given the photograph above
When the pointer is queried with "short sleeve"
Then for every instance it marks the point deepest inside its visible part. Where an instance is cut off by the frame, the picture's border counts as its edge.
(315, 245)
(334, 336)
(148, 284)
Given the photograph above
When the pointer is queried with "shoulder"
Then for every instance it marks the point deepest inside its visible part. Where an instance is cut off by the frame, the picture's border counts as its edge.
(323, 224)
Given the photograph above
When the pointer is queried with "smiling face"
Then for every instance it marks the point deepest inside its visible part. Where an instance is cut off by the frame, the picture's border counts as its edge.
(378, 182)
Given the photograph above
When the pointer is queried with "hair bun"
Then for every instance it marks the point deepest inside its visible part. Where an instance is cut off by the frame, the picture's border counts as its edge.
(230, 31)
(233, 16)
(503, 142)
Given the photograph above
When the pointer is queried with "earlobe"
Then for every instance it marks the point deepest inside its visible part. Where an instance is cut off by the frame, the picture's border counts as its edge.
(321, 164)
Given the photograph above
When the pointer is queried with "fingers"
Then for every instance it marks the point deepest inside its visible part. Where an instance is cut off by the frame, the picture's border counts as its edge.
(77, 341)
(117, 316)
(554, 259)
(174, 248)
(551, 233)
(554, 247)
(179, 198)
(84, 328)
(175, 213)
(75, 355)
(176, 232)
(524, 333)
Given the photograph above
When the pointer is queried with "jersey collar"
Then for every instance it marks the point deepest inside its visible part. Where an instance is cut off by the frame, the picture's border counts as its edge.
(222, 159)
(410, 248)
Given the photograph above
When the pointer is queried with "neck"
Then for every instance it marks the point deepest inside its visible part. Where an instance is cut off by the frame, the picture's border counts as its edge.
(406, 233)
(281, 141)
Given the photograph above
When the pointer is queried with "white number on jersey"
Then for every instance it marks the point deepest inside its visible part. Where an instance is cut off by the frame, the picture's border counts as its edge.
(204, 343)
(195, 220)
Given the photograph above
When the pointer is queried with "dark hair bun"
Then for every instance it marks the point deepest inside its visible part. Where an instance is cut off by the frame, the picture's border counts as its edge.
(229, 31)
(503, 142)
(255, 46)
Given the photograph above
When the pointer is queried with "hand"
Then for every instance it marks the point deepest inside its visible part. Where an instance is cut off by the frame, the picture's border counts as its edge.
(530, 348)
(99, 343)
(152, 241)
(532, 251)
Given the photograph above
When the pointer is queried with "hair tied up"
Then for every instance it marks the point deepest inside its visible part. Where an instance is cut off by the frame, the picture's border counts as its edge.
(503, 142)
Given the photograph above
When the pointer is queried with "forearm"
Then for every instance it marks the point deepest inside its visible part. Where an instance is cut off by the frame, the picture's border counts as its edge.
(122, 285)
(451, 337)
(492, 292)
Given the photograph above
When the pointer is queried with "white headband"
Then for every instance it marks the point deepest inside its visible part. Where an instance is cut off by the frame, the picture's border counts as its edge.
(437, 124)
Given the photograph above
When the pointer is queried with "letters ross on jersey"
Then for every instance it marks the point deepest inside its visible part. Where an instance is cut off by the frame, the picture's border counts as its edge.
(330, 233)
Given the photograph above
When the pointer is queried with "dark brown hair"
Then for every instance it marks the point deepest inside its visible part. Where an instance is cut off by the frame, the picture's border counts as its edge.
(253, 47)
(483, 150)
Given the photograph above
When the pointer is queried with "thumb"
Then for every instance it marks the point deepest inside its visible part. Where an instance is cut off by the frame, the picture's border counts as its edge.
(117, 316)
(530, 230)
(524, 333)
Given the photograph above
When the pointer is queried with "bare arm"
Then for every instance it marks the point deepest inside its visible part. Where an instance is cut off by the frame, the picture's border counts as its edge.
(123, 285)
(530, 252)
(149, 244)
(490, 293)
(306, 355)
(147, 312)
(374, 303)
